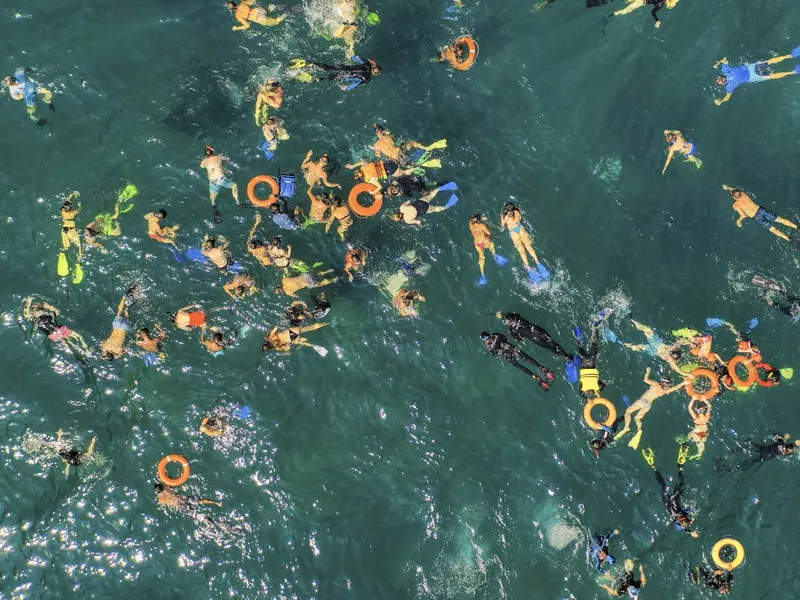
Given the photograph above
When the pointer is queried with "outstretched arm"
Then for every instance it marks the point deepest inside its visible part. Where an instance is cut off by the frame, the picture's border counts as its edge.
(357, 165)
(670, 154)
(255, 226)
(647, 379)
(327, 183)
(723, 99)
(307, 159)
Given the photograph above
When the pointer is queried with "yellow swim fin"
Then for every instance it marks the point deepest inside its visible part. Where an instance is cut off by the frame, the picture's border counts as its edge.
(634, 443)
(304, 77)
(649, 457)
(787, 372)
(297, 63)
(127, 193)
(63, 265)
(437, 145)
(434, 163)
(77, 275)
(683, 453)
(686, 333)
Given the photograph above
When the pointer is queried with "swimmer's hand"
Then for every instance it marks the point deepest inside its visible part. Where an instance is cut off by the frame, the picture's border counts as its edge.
(717, 101)
(658, 24)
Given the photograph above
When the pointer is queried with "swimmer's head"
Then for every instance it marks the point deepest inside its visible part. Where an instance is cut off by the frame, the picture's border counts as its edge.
(144, 332)
(787, 449)
(725, 588)
(279, 290)
(255, 244)
(9, 81)
(217, 337)
(375, 68)
(158, 488)
(209, 242)
(475, 219)
(378, 129)
(324, 159)
(161, 213)
(67, 205)
(393, 189)
(675, 354)
(397, 217)
(337, 202)
(266, 346)
(671, 137)
(90, 233)
(598, 445)
(272, 121)
(209, 149)
(274, 86)
(665, 382)
(172, 316)
(484, 335)
(736, 193)
(508, 208)
(108, 355)
(358, 175)
(722, 80)
(355, 256)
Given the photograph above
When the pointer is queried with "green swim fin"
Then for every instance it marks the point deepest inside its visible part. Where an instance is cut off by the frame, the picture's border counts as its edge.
(686, 332)
(63, 265)
(787, 372)
(127, 208)
(77, 276)
(634, 443)
(127, 193)
(683, 453)
(373, 18)
(434, 163)
(304, 77)
(437, 145)
(649, 457)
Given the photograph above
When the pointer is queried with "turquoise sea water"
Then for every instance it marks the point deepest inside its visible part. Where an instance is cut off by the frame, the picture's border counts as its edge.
(407, 463)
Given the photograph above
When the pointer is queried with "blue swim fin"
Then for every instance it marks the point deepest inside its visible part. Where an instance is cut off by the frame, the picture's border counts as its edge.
(533, 275)
(752, 324)
(179, 257)
(196, 255)
(451, 186)
(150, 358)
(482, 280)
(571, 371)
(797, 69)
(544, 272)
(242, 413)
(626, 400)
(796, 52)
(714, 322)
(500, 260)
(452, 202)
(611, 336)
(578, 333)
(236, 267)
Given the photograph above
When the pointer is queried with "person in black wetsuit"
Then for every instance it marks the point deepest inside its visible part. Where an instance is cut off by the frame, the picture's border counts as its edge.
(656, 4)
(349, 77)
(628, 585)
(299, 312)
(608, 436)
(790, 308)
(520, 328)
(407, 186)
(499, 347)
(672, 499)
(781, 446)
(718, 579)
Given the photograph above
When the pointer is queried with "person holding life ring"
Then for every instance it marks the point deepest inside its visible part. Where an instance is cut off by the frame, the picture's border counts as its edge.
(274, 191)
(738, 381)
(700, 411)
(363, 210)
(725, 564)
(767, 375)
(610, 419)
(186, 470)
(462, 54)
(719, 580)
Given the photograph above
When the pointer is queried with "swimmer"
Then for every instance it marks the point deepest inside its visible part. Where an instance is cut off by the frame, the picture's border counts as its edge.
(316, 173)
(607, 438)
(598, 550)
(642, 406)
(387, 147)
(746, 208)
(482, 240)
(218, 179)
(680, 517)
(589, 377)
(189, 317)
(274, 131)
(677, 143)
(114, 345)
(700, 411)
(405, 302)
(789, 305)
(411, 210)
(246, 12)
(257, 248)
(781, 446)
(511, 219)
(43, 316)
(216, 344)
(354, 261)
(217, 254)
(719, 580)
(377, 172)
(158, 232)
(74, 457)
(280, 216)
(108, 227)
(656, 347)
(498, 346)
(282, 340)
(339, 212)
(628, 585)
(520, 329)
(21, 87)
(733, 77)
(240, 287)
(189, 505)
(320, 205)
(298, 311)
(271, 94)
(69, 236)
(291, 285)
(214, 426)
(347, 11)
(656, 4)
(348, 77)
(150, 343)
(406, 186)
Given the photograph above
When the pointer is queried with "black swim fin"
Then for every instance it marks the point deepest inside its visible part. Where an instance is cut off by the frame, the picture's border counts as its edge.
(217, 214)
(767, 284)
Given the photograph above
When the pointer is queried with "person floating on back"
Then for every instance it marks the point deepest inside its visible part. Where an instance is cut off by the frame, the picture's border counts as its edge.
(746, 208)
(20, 87)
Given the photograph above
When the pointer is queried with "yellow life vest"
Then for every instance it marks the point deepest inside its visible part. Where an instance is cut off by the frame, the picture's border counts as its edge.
(590, 380)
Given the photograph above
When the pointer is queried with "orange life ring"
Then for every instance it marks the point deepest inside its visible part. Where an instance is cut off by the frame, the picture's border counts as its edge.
(766, 381)
(360, 209)
(251, 190)
(587, 413)
(751, 372)
(472, 53)
(713, 390)
(180, 479)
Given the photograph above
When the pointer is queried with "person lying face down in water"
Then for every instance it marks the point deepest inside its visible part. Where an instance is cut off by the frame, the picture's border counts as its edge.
(348, 77)
(498, 346)
(734, 76)
(780, 446)
(247, 12)
(190, 505)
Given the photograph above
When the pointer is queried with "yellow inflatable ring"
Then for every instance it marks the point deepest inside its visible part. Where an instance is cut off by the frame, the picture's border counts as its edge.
(587, 412)
(737, 560)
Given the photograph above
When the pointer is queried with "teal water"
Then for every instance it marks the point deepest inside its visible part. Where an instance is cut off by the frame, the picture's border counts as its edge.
(407, 463)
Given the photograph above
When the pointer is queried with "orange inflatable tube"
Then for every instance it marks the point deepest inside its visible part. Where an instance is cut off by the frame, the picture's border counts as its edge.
(251, 190)
(471, 50)
(751, 372)
(360, 209)
(766, 382)
(186, 470)
(713, 380)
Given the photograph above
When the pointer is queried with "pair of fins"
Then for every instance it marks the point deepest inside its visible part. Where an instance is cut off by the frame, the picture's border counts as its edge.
(63, 268)
(538, 274)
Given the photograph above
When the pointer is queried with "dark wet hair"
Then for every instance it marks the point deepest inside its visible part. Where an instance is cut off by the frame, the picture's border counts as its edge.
(675, 353)
(172, 316)
(266, 346)
(67, 204)
(278, 290)
(484, 335)
(598, 444)
(337, 202)
(108, 355)
(393, 189)
(210, 241)
(274, 85)
(144, 331)
(161, 213)
(218, 337)
(158, 487)
(358, 175)
(11, 80)
(476, 218)
(209, 149)
(253, 244)
(508, 207)
(90, 232)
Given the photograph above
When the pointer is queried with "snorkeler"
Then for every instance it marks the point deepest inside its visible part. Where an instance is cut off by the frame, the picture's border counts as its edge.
(746, 208)
(411, 210)
(282, 340)
(339, 212)
(158, 232)
(677, 143)
(377, 172)
(320, 205)
(217, 254)
(189, 317)
(216, 344)
(607, 438)
(43, 316)
(241, 286)
(316, 173)
(189, 505)
(700, 411)
(642, 406)
(498, 346)
(246, 13)
(656, 347)
(274, 131)
(69, 236)
(598, 550)
(406, 186)
(656, 4)
(520, 329)
(299, 311)
(628, 585)
(74, 457)
(780, 446)
(792, 303)
(22, 88)
(348, 77)
(405, 302)
(354, 261)
(589, 376)
(482, 240)
(114, 345)
(511, 219)
(412, 152)
(213, 425)
(719, 580)
(679, 516)
(217, 179)
(291, 285)
(270, 95)
(257, 248)
(152, 343)
(279, 213)
(733, 77)
(97, 228)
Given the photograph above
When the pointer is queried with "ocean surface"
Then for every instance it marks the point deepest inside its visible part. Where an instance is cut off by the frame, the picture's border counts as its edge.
(408, 463)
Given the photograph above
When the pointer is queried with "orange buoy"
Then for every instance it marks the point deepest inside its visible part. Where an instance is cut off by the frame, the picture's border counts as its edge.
(180, 479)
(751, 372)
(471, 53)
(712, 391)
(360, 209)
(251, 190)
